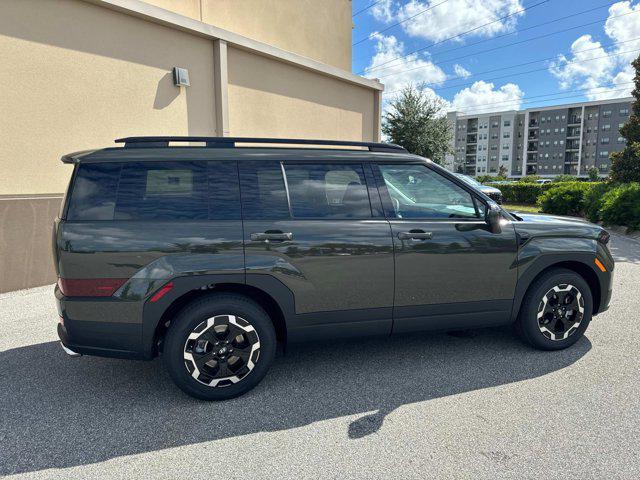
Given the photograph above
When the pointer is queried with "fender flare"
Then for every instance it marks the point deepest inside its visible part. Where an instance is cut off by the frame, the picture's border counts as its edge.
(153, 311)
(546, 261)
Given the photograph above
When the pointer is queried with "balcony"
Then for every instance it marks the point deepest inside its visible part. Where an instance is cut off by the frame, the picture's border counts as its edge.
(575, 120)
(573, 145)
(573, 133)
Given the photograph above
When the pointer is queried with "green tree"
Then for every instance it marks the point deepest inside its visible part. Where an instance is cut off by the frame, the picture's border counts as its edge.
(625, 165)
(593, 174)
(415, 121)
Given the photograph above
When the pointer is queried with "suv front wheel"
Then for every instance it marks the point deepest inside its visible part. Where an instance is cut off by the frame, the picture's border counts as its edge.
(556, 310)
(219, 346)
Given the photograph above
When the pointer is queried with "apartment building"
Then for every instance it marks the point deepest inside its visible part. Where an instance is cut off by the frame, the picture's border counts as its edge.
(549, 141)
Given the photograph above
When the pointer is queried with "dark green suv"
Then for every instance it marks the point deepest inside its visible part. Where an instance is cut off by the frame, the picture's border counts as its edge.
(212, 253)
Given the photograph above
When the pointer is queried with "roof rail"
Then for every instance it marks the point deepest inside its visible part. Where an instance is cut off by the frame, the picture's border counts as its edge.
(230, 142)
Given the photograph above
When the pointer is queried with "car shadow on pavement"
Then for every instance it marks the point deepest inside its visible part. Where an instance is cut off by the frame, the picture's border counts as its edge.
(60, 412)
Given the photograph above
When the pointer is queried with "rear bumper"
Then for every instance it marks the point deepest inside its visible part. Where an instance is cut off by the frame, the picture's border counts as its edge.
(102, 327)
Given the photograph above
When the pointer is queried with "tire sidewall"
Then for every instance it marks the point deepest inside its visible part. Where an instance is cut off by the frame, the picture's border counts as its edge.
(528, 321)
(194, 314)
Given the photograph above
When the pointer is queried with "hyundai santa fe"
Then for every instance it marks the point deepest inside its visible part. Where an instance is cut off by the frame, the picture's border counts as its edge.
(212, 251)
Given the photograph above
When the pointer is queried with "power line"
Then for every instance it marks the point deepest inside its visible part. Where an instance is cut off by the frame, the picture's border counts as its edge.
(522, 64)
(542, 97)
(403, 21)
(512, 44)
(514, 74)
(483, 110)
(382, 65)
(366, 8)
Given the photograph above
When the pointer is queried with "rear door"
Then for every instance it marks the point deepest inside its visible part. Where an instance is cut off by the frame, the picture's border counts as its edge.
(450, 269)
(312, 227)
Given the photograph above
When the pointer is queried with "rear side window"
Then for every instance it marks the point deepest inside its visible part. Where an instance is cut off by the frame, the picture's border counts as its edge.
(162, 191)
(328, 191)
(94, 192)
(263, 192)
(156, 191)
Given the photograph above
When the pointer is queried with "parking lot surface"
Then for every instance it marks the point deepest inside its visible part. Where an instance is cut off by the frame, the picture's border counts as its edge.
(481, 405)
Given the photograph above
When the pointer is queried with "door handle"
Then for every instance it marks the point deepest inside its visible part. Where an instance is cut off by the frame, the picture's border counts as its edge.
(271, 236)
(415, 235)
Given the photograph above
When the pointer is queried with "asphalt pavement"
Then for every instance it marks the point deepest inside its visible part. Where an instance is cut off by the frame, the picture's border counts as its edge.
(482, 405)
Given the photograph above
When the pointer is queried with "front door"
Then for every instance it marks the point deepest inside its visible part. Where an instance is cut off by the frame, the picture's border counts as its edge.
(451, 271)
(311, 226)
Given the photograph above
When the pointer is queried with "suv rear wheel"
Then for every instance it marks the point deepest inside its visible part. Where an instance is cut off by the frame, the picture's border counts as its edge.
(219, 347)
(556, 310)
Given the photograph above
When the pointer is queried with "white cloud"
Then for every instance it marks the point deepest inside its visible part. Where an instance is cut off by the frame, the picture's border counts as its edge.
(478, 96)
(461, 72)
(397, 75)
(588, 67)
(623, 25)
(383, 11)
(436, 20)
(484, 96)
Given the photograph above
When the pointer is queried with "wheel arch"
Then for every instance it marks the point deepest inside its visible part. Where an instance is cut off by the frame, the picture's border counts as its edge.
(271, 297)
(581, 266)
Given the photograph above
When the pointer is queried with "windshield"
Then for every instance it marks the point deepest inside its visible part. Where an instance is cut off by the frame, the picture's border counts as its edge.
(469, 180)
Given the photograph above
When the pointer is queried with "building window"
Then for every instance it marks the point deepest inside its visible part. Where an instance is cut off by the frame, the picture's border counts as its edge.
(505, 158)
(606, 114)
(620, 125)
(624, 112)
(604, 140)
(557, 117)
(620, 139)
(506, 135)
(561, 142)
(604, 154)
(606, 127)
(505, 146)
(507, 123)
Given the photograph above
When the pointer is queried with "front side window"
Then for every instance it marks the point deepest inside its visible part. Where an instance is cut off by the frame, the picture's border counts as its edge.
(416, 191)
(327, 191)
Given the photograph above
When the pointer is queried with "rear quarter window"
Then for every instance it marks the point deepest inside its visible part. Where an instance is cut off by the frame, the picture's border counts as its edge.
(176, 190)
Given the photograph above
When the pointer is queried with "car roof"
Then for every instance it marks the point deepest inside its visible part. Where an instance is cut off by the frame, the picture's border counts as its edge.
(119, 154)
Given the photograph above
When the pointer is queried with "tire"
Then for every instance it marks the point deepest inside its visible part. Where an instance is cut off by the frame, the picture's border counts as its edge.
(197, 337)
(543, 323)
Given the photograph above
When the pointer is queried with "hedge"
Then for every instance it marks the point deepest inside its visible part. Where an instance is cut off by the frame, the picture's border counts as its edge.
(621, 206)
(522, 192)
(565, 198)
(610, 203)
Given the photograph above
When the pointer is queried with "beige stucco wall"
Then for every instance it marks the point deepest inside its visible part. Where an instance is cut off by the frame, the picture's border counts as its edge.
(318, 29)
(189, 8)
(76, 76)
(284, 101)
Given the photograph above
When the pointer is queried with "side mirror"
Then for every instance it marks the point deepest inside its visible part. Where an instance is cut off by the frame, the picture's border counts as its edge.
(493, 219)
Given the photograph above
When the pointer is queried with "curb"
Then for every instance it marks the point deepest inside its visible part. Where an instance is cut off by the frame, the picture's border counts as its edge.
(620, 230)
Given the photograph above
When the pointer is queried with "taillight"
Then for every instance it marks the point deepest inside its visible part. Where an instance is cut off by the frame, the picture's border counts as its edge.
(90, 287)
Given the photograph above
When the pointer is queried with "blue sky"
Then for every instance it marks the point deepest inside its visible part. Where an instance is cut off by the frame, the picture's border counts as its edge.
(587, 59)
